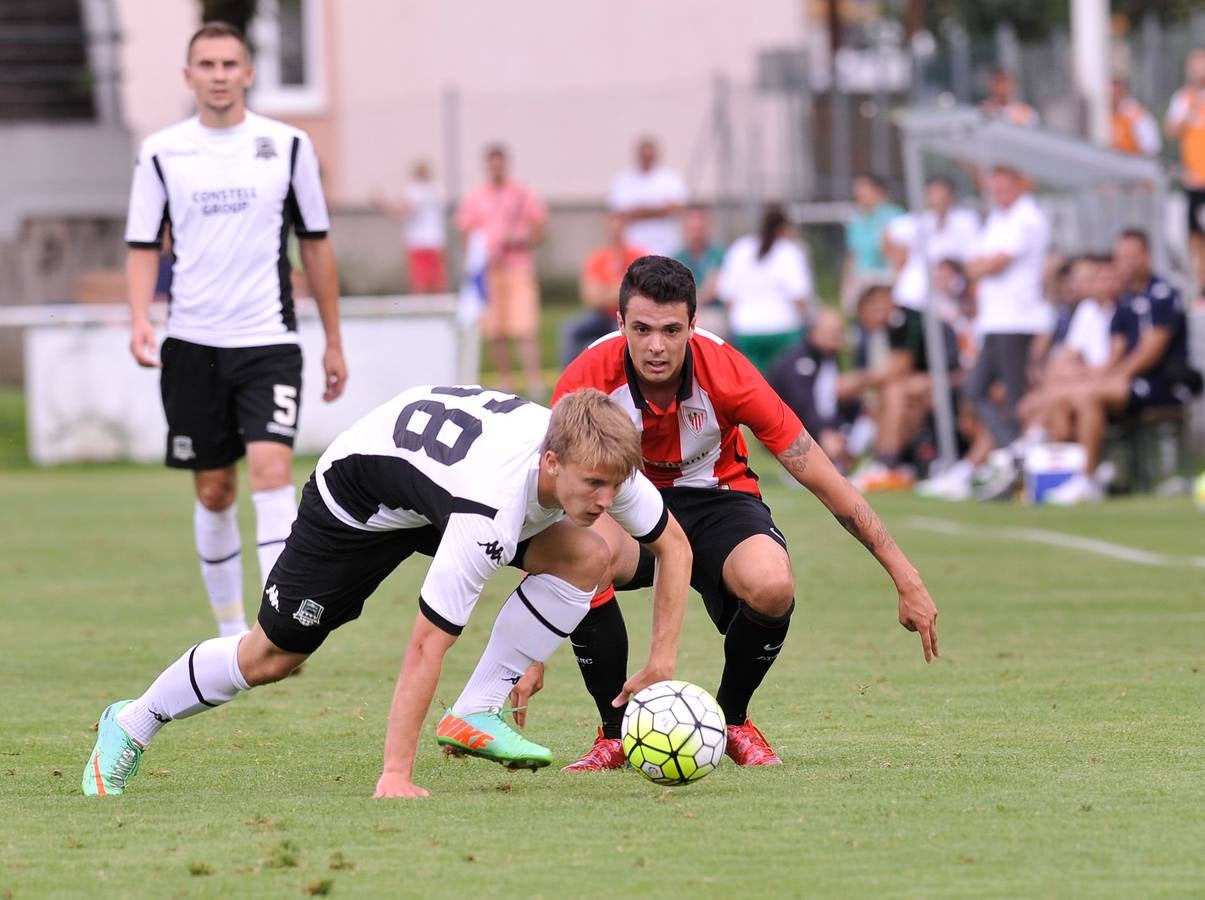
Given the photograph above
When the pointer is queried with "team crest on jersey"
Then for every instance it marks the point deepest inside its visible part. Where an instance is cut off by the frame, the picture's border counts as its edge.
(265, 148)
(309, 613)
(695, 419)
(182, 448)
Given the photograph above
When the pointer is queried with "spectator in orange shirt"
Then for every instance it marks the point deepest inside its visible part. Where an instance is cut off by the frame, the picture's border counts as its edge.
(1185, 122)
(602, 274)
(1002, 102)
(1134, 128)
(511, 217)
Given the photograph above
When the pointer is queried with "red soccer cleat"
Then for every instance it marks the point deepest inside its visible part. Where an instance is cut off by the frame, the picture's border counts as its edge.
(748, 747)
(607, 753)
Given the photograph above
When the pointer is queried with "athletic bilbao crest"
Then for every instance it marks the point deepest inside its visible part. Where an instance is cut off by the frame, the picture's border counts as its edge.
(695, 419)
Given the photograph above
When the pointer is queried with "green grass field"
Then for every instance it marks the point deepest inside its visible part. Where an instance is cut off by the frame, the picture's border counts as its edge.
(1054, 750)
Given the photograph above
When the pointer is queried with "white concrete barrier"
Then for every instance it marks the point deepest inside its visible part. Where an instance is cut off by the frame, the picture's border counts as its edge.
(86, 399)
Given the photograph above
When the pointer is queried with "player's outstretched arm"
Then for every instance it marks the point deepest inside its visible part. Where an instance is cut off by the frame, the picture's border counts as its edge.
(812, 468)
(671, 583)
(411, 698)
(142, 270)
(318, 261)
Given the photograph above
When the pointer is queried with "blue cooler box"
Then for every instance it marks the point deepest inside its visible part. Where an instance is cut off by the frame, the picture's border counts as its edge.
(1048, 466)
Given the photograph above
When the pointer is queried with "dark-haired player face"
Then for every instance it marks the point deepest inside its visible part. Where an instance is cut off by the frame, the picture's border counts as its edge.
(657, 334)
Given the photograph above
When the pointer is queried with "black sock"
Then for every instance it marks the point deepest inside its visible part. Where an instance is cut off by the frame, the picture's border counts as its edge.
(750, 648)
(600, 643)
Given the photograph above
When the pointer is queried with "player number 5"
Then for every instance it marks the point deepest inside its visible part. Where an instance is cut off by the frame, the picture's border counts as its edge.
(285, 397)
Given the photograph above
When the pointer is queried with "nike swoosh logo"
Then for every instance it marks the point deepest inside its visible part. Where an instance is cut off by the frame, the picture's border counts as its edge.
(579, 646)
(777, 646)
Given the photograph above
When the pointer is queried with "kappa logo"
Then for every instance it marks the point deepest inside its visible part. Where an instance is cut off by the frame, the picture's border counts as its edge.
(492, 549)
(161, 717)
(182, 448)
(273, 596)
(309, 613)
(265, 148)
(695, 418)
(512, 680)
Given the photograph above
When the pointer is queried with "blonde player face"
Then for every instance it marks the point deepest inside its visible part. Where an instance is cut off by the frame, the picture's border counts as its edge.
(657, 335)
(219, 73)
(584, 493)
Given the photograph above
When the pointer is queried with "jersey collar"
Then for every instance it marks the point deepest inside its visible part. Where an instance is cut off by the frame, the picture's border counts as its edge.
(685, 389)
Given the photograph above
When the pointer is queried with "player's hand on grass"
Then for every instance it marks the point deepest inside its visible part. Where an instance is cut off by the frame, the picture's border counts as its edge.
(650, 674)
(143, 345)
(394, 784)
(525, 688)
(335, 369)
(918, 613)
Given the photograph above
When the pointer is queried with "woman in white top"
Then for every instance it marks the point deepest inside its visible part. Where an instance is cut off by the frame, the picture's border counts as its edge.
(767, 284)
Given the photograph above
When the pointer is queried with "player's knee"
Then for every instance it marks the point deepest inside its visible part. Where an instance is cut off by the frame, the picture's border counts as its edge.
(216, 494)
(589, 563)
(265, 475)
(773, 596)
(267, 668)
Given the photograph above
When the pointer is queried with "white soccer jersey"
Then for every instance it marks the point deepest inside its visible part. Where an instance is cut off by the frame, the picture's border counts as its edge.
(228, 197)
(466, 460)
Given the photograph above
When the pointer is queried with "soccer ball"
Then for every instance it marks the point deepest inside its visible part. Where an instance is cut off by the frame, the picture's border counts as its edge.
(673, 732)
(1198, 492)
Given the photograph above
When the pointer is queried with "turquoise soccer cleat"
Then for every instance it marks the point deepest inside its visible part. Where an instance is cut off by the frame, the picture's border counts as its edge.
(487, 735)
(115, 758)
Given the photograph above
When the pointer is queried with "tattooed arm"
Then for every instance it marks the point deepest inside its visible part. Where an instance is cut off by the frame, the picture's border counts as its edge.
(811, 467)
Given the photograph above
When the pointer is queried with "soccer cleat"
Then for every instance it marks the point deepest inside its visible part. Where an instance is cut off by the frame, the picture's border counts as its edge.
(1076, 489)
(748, 747)
(607, 753)
(115, 758)
(486, 734)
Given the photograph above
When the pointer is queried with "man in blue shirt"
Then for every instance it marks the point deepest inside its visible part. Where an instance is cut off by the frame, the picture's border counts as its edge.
(864, 257)
(1148, 365)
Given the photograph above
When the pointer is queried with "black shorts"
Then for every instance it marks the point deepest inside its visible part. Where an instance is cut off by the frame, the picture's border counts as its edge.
(1150, 391)
(218, 399)
(715, 522)
(1196, 210)
(327, 570)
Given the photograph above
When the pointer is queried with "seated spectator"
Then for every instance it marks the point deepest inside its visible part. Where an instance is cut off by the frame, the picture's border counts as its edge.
(703, 257)
(1148, 365)
(902, 386)
(864, 259)
(602, 273)
(808, 379)
(767, 284)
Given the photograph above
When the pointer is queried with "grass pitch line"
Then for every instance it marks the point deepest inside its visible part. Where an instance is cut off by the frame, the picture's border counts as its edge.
(1108, 549)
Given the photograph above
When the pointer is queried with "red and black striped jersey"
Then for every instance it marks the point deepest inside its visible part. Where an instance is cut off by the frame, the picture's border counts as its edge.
(696, 441)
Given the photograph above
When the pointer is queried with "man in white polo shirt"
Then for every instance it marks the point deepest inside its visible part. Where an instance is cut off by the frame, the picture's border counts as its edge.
(226, 186)
(1006, 265)
(651, 197)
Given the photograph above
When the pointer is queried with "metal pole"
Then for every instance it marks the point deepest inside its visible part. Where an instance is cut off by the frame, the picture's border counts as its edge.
(960, 59)
(452, 181)
(1090, 62)
(722, 123)
(935, 345)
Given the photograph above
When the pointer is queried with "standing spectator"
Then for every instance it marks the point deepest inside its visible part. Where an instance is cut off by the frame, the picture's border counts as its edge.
(1134, 128)
(703, 257)
(511, 217)
(602, 274)
(1002, 102)
(947, 232)
(228, 186)
(864, 259)
(421, 211)
(1006, 267)
(1185, 123)
(651, 197)
(767, 284)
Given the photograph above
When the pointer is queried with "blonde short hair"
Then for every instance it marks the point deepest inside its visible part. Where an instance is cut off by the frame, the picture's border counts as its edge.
(589, 428)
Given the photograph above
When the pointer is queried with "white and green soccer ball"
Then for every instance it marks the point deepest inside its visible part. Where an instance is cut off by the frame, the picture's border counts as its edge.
(674, 732)
(1198, 492)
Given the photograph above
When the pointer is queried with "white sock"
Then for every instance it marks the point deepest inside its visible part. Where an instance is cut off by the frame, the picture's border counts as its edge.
(275, 511)
(219, 548)
(204, 677)
(533, 622)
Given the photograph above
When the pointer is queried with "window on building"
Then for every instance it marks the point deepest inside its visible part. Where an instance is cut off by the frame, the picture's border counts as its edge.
(287, 35)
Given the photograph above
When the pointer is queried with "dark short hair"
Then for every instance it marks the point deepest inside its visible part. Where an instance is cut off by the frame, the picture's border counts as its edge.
(942, 180)
(216, 29)
(495, 149)
(660, 279)
(1136, 234)
(874, 179)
